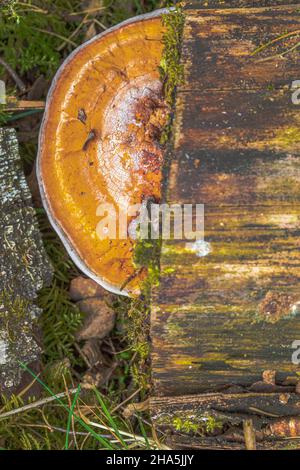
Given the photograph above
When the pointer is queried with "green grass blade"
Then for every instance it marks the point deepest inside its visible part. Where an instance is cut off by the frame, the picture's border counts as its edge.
(143, 431)
(70, 417)
(110, 418)
(15, 117)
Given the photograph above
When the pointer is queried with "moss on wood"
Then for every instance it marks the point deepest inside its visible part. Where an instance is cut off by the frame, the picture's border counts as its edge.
(147, 252)
(194, 424)
(171, 69)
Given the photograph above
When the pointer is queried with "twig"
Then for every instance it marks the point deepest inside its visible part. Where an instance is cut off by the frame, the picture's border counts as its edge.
(13, 105)
(20, 84)
(36, 404)
(249, 434)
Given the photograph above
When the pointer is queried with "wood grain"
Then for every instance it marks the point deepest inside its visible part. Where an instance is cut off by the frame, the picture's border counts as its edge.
(223, 319)
(221, 4)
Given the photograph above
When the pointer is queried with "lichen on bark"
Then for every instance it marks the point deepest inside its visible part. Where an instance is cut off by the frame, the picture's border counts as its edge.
(24, 267)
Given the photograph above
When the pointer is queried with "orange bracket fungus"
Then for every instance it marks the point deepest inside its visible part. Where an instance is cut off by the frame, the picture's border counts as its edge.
(99, 145)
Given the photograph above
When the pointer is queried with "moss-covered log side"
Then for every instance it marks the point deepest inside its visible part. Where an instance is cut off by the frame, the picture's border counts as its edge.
(226, 317)
(24, 266)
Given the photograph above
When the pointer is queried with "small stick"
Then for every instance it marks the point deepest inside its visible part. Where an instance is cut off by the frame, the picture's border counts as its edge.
(13, 105)
(20, 84)
(36, 404)
(55, 428)
(249, 434)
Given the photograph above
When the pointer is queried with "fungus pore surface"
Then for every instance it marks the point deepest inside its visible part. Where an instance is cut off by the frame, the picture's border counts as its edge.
(99, 144)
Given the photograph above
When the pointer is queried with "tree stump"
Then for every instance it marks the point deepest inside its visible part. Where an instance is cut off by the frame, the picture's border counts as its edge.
(223, 324)
(25, 268)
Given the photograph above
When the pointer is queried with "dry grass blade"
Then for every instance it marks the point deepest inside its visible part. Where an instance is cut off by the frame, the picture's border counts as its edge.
(281, 55)
(71, 419)
(135, 437)
(277, 39)
(127, 400)
(73, 34)
(89, 10)
(32, 7)
(59, 36)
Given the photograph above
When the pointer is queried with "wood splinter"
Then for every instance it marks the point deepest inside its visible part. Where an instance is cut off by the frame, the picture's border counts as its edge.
(249, 434)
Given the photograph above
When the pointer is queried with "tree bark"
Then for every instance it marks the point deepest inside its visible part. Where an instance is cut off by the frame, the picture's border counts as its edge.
(24, 269)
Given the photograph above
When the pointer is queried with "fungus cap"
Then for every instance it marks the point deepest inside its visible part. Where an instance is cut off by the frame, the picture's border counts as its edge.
(98, 144)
